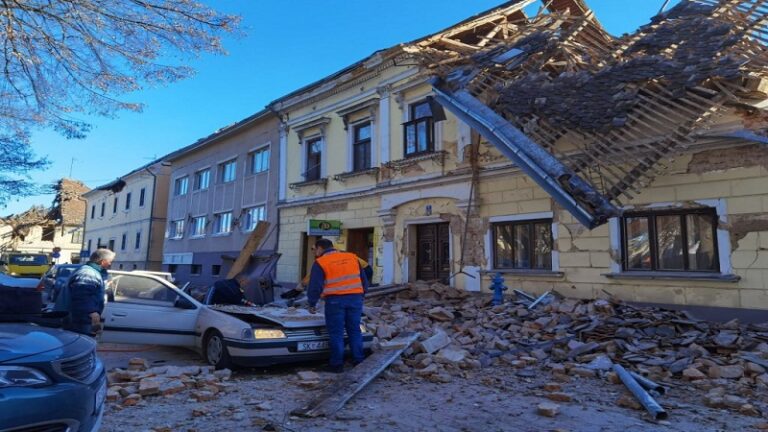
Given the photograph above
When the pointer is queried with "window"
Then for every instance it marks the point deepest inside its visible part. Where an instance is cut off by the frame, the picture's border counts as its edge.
(89, 245)
(98, 243)
(202, 179)
(195, 269)
(172, 268)
(114, 206)
(314, 159)
(111, 244)
(419, 131)
(523, 245)
(361, 147)
(93, 211)
(198, 226)
(215, 270)
(228, 171)
(128, 201)
(253, 216)
(222, 223)
(176, 229)
(180, 186)
(123, 241)
(103, 207)
(138, 289)
(137, 243)
(260, 160)
(142, 195)
(77, 237)
(681, 240)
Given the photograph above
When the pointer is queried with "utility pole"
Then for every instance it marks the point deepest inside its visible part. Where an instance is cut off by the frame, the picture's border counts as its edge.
(71, 164)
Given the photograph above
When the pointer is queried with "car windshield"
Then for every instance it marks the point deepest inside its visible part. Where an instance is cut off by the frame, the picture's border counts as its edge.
(28, 260)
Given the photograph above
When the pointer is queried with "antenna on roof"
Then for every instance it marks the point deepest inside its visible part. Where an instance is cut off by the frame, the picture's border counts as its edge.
(663, 6)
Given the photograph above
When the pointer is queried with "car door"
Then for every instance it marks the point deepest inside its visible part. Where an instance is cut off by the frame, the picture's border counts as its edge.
(143, 309)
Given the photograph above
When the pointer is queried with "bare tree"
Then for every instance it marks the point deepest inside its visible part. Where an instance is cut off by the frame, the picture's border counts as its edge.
(65, 58)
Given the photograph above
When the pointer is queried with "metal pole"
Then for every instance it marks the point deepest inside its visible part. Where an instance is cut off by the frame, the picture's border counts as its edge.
(640, 394)
(648, 384)
(664, 6)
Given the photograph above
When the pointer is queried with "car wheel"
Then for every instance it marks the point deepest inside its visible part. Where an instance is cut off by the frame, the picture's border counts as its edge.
(215, 350)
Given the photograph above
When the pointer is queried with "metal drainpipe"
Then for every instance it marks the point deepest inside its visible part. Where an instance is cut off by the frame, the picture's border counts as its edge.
(151, 217)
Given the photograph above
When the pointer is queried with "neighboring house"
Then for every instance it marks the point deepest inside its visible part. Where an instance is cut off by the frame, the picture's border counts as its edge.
(221, 187)
(426, 198)
(128, 217)
(55, 231)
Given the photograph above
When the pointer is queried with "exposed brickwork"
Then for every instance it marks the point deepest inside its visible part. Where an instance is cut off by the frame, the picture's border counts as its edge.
(723, 159)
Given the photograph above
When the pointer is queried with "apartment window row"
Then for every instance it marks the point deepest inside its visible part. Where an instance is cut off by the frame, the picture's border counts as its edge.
(226, 172)
(222, 223)
(116, 203)
(197, 269)
(661, 241)
(418, 139)
(124, 242)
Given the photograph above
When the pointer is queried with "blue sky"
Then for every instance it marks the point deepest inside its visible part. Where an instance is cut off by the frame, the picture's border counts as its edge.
(287, 44)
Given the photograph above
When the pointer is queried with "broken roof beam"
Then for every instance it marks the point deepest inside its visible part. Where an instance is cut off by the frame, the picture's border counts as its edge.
(574, 194)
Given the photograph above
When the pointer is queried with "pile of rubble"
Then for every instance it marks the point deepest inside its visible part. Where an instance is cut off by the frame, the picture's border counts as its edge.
(132, 385)
(569, 337)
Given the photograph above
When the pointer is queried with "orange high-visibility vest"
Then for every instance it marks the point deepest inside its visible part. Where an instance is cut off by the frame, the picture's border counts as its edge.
(342, 274)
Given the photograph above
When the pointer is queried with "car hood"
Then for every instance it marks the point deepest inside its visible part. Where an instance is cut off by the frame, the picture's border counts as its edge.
(17, 282)
(22, 340)
(286, 317)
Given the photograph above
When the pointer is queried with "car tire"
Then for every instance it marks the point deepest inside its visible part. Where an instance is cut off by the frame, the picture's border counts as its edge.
(215, 350)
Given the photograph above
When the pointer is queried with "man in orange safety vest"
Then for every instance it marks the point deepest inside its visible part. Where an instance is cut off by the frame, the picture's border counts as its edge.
(338, 279)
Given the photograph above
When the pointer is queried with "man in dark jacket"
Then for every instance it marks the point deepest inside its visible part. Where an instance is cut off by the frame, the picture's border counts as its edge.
(229, 292)
(86, 293)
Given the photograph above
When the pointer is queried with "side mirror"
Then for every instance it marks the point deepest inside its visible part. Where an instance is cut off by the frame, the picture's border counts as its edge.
(110, 295)
(183, 303)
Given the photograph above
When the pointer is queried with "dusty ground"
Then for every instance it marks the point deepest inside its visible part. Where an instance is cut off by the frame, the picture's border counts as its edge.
(493, 399)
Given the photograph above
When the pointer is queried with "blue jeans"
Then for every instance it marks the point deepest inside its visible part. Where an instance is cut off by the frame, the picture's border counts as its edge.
(343, 312)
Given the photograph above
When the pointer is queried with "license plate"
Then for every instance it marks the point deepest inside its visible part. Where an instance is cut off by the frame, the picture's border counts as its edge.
(101, 395)
(313, 346)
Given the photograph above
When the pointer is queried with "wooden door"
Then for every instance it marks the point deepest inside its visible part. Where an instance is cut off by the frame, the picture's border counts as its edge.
(433, 261)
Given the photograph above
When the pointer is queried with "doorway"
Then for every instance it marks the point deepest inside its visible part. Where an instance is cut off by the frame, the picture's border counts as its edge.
(360, 242)
(433, 261)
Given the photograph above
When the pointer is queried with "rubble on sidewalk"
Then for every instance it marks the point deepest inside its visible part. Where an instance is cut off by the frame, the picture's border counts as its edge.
(138, 381)
(571, 338)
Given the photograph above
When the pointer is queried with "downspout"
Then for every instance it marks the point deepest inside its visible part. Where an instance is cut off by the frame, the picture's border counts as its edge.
(151, 217)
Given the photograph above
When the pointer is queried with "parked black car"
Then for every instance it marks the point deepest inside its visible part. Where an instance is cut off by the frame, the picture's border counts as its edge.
(50, 379)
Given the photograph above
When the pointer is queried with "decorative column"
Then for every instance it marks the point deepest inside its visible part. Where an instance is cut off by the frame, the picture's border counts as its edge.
(388, 245)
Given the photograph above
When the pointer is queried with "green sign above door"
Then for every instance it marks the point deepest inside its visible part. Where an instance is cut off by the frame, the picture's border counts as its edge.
(327, 228)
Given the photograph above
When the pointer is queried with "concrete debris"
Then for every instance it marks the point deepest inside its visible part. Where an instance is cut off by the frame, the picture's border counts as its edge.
(548, 409)
(133, 385)
(571, 339)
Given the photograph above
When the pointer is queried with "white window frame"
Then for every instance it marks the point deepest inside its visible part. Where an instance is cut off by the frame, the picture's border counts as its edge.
(265, 149)
(723, 235)
(218, 223)
(208, 182)
(521, 218)
(250, 224)
(176, 229)
(193, 233)
(351, 141)
(222, 171)
(178, 181)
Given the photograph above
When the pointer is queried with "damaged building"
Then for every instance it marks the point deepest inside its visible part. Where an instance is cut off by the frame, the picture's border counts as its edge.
(48, 230)
(543, 148)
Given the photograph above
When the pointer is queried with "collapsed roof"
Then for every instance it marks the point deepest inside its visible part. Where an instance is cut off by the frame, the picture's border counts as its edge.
(592, 118)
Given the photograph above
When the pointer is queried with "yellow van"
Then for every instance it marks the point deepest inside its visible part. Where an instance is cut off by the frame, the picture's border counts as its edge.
(24, 264)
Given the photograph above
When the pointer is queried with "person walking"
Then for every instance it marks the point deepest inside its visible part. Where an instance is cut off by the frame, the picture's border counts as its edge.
(338, 279)
(84, 296)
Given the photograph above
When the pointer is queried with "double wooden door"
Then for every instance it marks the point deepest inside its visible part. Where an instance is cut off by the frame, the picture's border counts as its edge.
(433, 260)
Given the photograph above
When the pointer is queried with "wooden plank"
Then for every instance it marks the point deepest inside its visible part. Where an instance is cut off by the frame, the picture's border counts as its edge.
(251, 246)
(350, 383)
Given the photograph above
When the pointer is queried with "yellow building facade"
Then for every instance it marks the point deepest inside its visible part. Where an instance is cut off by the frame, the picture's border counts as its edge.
(423, 197)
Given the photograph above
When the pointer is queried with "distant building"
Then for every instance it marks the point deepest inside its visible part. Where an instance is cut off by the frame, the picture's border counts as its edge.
(57, 231)
(221, 187)
(128, 217)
